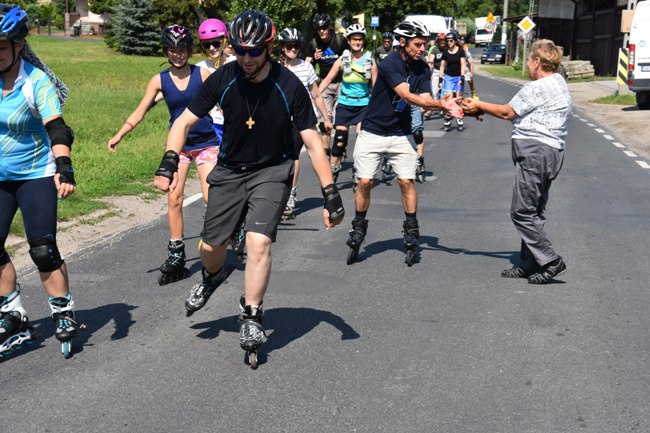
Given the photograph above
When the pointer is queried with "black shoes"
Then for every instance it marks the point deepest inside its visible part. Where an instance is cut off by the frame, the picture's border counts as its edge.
(544, 275)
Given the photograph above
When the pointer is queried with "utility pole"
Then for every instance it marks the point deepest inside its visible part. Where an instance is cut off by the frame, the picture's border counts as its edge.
(504, 34)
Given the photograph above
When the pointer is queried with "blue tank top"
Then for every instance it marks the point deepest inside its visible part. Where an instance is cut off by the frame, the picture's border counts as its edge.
(178, 101)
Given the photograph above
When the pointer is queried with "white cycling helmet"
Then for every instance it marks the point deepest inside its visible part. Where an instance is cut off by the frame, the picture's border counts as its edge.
(355, 29)
(411, 29)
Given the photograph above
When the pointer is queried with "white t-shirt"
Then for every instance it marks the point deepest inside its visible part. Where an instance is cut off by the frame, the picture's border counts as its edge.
(305, 72)
(543, 107)
(215, 113)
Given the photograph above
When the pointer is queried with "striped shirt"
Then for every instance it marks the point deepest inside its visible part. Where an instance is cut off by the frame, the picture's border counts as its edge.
(25, 147)
(305, 72)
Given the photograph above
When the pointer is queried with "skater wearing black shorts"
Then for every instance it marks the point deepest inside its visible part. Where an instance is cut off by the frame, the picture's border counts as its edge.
(261, 101)
(35, 169)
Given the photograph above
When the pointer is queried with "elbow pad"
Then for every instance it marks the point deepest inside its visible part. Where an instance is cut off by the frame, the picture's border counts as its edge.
(59, 132)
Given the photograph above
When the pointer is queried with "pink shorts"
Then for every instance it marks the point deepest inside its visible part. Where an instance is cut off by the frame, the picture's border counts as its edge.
(204, 155)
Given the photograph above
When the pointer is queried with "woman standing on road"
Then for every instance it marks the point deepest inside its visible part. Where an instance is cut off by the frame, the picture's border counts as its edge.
(540, 115)
(291, 40)
(35, 169)
(178, 84)
(453, 66)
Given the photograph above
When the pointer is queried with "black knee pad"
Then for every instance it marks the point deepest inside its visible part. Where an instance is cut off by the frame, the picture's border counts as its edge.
(340, 142)
(418, 136)
(321, 127)
(45, 253)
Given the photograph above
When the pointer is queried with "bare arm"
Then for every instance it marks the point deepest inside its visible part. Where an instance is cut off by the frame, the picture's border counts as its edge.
(374, 71)
(152, 94)
(321, 165)
(175, 142)
(320, 104)
(474, 107)
(427, 102)
(336, 67)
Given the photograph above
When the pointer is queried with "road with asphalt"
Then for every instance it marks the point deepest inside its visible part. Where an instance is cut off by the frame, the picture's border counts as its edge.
(446, 345)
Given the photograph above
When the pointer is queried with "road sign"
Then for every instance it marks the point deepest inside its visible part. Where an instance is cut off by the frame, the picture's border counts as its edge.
(489, 27)
(374, 21)
(490, 18)
(526, 25)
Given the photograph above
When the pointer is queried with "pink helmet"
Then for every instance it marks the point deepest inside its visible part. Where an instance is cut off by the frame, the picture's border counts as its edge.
(212, 28)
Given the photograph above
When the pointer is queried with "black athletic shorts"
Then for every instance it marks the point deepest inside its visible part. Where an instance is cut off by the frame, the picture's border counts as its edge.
(257, 195)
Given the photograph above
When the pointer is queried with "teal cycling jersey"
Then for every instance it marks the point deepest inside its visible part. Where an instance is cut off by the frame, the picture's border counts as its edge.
(25, 148)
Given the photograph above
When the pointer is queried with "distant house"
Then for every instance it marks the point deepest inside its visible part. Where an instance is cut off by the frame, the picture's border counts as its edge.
(587, 29)
(85, 21)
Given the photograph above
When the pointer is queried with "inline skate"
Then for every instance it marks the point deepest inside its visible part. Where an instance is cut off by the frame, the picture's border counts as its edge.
(386, 169)
(357, 236)
(336, 169)
(447, 123)
(174, 267)
(64, 322)
(14, 324)
(411, 240)
(251, 332)
(460, 124)
(289, 209)
(420, 174)
(200, 293)
(238, 241)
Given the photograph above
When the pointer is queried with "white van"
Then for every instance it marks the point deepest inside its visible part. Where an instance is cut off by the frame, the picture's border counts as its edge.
(434, 23)
(638, 74)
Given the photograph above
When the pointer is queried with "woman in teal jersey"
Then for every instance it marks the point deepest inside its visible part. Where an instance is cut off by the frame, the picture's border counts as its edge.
(359, 73)
(35, 169)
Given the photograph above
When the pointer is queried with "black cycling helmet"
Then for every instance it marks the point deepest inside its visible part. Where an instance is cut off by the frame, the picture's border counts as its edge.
(176, 36)
(14, 24)
(452, 35)
(251, 29)
(321, 20)
(411, 29)
(387, 35)
(290, 35)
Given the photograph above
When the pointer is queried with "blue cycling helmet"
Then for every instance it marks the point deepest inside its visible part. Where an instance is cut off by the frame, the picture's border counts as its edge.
(14, 24)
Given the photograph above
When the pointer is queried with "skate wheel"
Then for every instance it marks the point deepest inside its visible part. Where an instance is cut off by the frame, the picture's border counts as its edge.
(66, 348)
(410, 257)
(163, 279)
(252, 359)
(352, 255)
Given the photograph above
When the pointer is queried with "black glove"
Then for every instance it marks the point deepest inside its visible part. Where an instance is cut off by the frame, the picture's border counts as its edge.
(333, 202)
(168, 165)
(65, 170)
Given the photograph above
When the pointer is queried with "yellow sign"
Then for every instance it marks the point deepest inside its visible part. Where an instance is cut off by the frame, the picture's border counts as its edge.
(526, 25)
(360, 18)
(490, 18)
(623, 59)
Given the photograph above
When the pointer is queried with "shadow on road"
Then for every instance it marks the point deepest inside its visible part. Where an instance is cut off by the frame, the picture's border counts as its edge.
(93, 320)
(288, 324)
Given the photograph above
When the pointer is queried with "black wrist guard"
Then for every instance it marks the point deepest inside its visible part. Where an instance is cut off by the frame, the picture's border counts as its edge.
(333, 202)
(168, 165)
(65, 170)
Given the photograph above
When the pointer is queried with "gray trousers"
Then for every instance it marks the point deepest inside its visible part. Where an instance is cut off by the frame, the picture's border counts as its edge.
(537, 165)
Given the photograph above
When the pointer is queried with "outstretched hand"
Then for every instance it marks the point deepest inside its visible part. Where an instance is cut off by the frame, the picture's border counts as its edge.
(451, 106)
(471, 107)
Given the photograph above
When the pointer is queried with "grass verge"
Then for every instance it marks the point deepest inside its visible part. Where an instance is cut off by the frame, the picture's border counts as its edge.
(617, 100)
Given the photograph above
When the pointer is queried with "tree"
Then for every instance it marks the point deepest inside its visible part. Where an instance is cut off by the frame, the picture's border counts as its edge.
(284, 14)
(134, 30)
(102, 6)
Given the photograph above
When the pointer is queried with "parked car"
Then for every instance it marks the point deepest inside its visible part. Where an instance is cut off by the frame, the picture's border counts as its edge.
(495, 53)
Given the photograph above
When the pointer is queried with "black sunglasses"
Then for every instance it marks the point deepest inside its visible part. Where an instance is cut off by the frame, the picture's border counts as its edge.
(290, 46)
(212, 43)
(255, 52)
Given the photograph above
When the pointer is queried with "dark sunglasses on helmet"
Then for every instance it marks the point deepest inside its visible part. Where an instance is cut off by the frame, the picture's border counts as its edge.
(212, 43)
(290, 46)
(255, 52)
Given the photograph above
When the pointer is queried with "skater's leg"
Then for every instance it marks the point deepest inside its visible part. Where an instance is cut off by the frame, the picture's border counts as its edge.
(409, 195)
(258, 267)
(175, 204)
(362, 195)
(339, 144)
(7, 279)
(203, 171)
(213, 257)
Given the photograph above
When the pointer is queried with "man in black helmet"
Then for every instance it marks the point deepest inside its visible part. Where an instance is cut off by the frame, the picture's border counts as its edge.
(403, 80)
(386, 47)
(261, 101)
(322, 52)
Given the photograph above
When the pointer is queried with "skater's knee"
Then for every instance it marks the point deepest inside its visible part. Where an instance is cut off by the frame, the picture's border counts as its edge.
(418, 136)
(340, 142)
(175, 201)
(406, 185)
(258, 245)
(365, 184)
(45, 253)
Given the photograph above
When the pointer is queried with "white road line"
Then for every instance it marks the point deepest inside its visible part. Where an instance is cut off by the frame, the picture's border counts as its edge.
(630, 153)
(591, 124)
(600, 131)
(609, 137)
(643, 164)
(584, 120)
(619, 145)
(192, 199)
